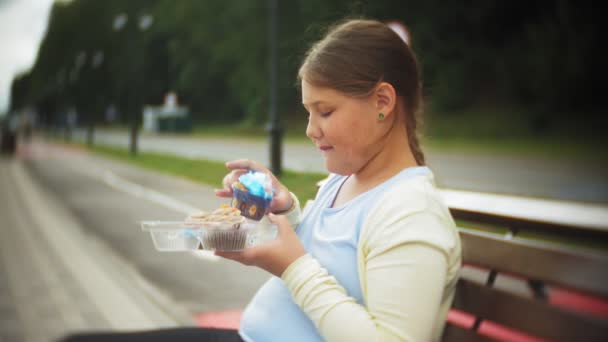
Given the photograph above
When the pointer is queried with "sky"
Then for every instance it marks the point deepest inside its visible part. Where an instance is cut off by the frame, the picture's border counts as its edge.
(22, 27)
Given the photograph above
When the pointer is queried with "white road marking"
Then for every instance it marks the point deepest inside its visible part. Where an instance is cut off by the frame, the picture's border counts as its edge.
(118, 183)
(105, 293)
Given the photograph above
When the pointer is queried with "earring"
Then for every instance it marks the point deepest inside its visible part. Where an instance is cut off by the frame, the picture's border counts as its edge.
(381, 116)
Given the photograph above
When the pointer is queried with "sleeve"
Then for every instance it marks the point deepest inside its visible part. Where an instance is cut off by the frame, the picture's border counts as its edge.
(403, 278)
(294, 213)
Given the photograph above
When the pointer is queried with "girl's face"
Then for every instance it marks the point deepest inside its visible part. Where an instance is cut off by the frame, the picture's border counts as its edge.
(344, 129)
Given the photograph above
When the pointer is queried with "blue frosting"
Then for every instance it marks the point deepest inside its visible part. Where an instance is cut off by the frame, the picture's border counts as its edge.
(258, 184)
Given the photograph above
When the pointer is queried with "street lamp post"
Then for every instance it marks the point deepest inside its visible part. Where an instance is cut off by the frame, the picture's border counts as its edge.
(74, 78)
(96, 62)
(274, 126)
(120, 21)
(61, 79)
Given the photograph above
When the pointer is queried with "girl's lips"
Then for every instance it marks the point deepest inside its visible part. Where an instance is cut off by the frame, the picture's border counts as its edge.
(325, 148)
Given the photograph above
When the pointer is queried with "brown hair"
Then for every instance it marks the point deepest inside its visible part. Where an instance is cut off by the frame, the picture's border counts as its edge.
(356, 55)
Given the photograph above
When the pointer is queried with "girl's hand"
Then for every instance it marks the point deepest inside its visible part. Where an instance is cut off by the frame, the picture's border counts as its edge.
(274, 256)
(281, 201)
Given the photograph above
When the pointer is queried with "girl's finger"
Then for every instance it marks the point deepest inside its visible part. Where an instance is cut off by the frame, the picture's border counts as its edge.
(280, 220)
(232, 177)
(223, 192)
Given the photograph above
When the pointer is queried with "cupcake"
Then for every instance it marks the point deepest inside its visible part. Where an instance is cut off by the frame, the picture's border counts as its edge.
(252, 194)
(221, 229)
(225, 214)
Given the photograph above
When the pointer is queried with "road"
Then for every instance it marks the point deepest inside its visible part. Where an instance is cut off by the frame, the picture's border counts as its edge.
(109, 199)
(479, 172)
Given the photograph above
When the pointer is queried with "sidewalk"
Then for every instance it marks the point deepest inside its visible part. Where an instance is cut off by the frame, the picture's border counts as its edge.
(55, 280)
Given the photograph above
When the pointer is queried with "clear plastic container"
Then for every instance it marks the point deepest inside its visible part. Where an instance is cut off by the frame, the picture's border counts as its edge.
(223, 237)
(220, 236)
(173, 236)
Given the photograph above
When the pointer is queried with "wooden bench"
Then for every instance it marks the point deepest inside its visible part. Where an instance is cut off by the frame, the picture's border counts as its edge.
(515, 288)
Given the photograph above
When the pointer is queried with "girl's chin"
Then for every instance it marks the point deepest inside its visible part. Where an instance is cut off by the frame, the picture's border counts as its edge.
(337, 168)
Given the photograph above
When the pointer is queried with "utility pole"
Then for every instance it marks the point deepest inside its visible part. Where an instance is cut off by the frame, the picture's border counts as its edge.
(274, 126)
(134, 97)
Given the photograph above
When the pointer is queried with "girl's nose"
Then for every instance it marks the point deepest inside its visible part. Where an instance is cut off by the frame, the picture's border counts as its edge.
(312, 129)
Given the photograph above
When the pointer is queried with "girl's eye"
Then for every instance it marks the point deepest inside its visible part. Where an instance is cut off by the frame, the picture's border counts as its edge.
(326, 114)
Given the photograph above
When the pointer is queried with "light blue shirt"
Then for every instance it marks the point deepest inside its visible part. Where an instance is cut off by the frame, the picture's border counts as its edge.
(331, 236)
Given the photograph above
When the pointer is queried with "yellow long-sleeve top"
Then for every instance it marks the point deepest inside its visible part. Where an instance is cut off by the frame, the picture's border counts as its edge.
(407, 260)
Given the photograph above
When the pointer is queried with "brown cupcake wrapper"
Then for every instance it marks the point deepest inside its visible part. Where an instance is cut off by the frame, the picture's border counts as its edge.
(251, 206)
(230, 240)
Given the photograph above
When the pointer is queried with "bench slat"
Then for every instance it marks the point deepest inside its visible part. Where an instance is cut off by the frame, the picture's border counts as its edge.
(454, 333)
(580, 270)
(528, 314)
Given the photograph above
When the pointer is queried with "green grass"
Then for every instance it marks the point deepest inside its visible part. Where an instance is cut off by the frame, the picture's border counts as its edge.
(205, 171)
(202, 171)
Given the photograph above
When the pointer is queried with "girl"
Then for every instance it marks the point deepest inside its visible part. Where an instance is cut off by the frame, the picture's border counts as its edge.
(377, 255)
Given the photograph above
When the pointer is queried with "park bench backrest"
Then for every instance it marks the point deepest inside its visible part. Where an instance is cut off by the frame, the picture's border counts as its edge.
(539, 263)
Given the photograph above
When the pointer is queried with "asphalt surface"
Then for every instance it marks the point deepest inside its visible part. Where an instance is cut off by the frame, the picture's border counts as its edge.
(109, 199)
(56, 278)
(480, 172)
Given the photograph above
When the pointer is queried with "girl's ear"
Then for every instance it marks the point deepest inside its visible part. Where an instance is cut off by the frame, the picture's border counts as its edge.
(385, 97)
